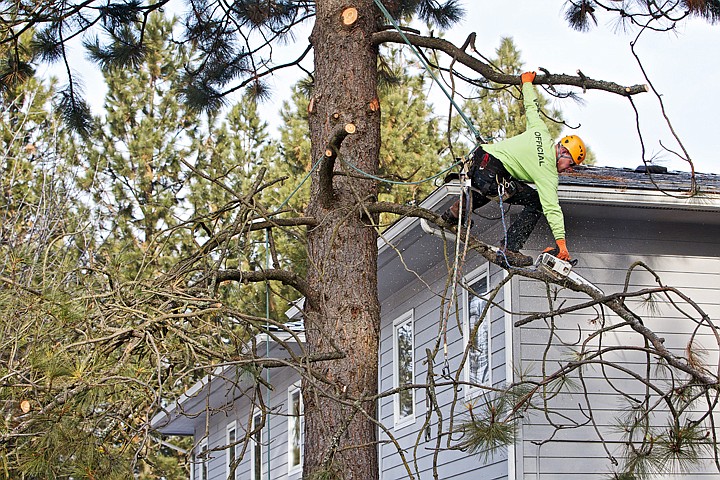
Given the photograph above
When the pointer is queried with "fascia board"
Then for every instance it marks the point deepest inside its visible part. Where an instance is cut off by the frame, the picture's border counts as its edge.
(190, 403)
(402, 226)
(640, 198)
(286, 337)
(164, 419)
(296, 309)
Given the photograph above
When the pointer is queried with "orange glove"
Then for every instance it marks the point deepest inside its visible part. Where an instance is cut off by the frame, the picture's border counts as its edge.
(560, 251)
(527, 77)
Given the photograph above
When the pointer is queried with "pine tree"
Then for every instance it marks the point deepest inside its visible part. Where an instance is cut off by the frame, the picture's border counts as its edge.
(30, 136)
(63, 265)
(45, 233)
(134, 171)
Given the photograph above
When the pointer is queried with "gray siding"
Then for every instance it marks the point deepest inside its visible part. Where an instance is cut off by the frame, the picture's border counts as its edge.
(215, 426)
(421, 453)
(684, 256)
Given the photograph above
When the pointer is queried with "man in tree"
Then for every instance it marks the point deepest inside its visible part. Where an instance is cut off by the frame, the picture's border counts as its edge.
(504, 169)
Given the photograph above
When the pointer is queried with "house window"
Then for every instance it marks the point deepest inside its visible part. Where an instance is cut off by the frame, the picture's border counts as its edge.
(257, 447)
(404, 368)
(294, 429)
(477, 331)
(202, 460)
(232, 450)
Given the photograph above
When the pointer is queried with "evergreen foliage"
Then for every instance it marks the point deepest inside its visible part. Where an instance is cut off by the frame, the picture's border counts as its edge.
(491, 424)
(134, 169)
(582, 14)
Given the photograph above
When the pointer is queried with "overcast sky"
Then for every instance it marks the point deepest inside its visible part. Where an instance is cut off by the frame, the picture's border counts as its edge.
(683, 66)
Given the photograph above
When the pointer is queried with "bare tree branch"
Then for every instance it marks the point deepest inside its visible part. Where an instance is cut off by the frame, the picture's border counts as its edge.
(491, 74)
(288, 278)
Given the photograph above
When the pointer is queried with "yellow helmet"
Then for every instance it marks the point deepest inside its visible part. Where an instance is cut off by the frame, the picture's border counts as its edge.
(575, 146)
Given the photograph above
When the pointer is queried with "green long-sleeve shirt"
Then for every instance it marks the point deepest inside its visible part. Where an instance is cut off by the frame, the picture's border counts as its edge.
(530, 157)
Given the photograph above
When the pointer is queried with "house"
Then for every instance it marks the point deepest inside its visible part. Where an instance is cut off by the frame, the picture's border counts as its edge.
(615, 219)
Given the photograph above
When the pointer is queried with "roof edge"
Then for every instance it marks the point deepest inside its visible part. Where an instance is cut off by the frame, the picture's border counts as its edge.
(641, 198)
(401, 227)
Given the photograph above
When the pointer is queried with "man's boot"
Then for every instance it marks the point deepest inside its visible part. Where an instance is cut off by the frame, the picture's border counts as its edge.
(450, 218)
(510, 258)
(451, 215)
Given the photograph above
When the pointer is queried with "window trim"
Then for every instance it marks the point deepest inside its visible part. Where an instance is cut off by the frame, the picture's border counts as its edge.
(193, 463)
(473, 277)
(407, 317)
(294, 417)
(254, 460)
(231, 449)
(203, 453)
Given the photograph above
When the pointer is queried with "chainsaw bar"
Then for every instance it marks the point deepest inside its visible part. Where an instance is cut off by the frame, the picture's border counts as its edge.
(561, 270)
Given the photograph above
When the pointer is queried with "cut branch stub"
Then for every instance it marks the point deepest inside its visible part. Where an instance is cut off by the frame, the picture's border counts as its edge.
(374, 105)
(337, 138)
(349, 16)
(327, 166)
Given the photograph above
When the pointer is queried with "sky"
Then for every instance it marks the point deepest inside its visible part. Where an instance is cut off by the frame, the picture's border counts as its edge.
(679, 65)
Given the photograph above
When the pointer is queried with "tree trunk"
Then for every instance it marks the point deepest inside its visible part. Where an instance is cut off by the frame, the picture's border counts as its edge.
(340, 440)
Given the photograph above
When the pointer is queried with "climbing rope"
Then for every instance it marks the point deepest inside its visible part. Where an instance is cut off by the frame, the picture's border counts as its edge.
(458, 261)
(501, 194)
(395, 182)
(417, 53)
(285, 202)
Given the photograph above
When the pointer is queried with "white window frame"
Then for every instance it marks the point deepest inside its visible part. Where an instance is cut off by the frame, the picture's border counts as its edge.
(257, 460)
(471, 279)
(231, 452)
(292, 418)
(203, 457)
(404, 320)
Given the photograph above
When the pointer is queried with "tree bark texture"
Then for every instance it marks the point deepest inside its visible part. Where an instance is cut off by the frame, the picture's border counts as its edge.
(342, 248)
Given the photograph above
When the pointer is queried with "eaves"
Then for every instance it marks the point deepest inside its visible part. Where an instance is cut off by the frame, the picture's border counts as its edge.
(639, 198)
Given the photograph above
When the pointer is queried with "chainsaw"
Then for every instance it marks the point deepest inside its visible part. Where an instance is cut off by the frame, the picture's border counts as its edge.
(562, 270)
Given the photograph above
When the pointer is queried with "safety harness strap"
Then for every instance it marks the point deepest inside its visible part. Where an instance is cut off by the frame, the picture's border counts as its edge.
(490, 176)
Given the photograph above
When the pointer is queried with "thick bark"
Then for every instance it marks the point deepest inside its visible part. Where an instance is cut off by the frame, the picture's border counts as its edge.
(342, 249)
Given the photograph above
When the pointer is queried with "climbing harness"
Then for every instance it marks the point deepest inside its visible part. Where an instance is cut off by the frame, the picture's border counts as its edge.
(506, 188)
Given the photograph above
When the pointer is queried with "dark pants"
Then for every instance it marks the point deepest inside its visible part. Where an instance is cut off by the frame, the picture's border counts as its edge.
(485, 173)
